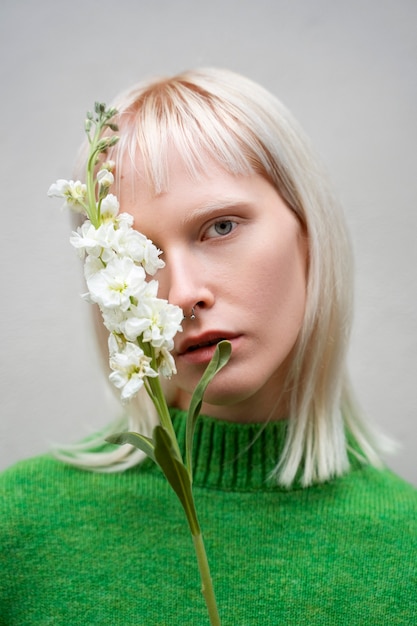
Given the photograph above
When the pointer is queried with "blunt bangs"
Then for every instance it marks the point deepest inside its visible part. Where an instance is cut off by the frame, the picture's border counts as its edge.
(177, 117)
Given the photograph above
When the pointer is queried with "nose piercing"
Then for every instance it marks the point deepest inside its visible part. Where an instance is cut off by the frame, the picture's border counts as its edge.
(192, 316)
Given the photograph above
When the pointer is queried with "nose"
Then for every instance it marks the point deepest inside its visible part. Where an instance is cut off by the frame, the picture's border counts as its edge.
(184, 282)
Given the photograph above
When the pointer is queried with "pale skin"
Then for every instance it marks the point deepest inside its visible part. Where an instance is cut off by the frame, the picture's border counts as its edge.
(236, 253)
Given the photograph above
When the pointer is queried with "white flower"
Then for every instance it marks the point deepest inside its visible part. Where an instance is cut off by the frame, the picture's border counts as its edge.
(98, 242)
(116, 343)
(140, 316)
(166, 363)
(126, 219)
(74, 192)
(115, 321)
(117, 284)
(92, 265)
(109, 165)
(133, 324)
(109, 207)
(85, 239)
(164, 321)
(130, 366)
(166, 324)
(131, 243)
(105, 178)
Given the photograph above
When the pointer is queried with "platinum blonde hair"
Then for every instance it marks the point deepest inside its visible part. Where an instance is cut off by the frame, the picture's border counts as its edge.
(226, 117)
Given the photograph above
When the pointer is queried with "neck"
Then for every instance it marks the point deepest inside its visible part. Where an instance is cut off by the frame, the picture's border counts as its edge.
(271, 407)
(229, 456)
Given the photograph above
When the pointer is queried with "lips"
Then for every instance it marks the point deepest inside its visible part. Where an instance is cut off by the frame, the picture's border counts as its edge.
(205, 344)
(206, 340)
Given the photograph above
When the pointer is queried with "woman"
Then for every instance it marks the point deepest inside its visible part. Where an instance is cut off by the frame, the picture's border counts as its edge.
(303, 524)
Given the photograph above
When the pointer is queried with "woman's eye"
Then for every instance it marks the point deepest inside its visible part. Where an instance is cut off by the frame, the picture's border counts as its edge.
(221, 228)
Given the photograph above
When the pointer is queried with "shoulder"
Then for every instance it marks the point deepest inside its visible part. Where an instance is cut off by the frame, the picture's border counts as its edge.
(379, 486)
(378, 498)
(45, 491)
(25, 473)
(385, 486)
(45, 477)
(27, 485)
(33, 472)
(29, 488)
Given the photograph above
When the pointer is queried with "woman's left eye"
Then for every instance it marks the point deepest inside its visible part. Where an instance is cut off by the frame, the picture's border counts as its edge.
(220, 228)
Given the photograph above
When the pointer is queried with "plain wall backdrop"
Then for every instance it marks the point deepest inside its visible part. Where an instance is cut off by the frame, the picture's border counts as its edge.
(347, 69)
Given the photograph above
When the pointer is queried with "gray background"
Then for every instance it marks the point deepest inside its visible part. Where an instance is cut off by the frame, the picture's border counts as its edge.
(347, 69)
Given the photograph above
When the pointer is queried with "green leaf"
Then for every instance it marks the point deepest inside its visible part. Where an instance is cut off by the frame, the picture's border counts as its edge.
(135, 439)
(219, 359)
(176, 474)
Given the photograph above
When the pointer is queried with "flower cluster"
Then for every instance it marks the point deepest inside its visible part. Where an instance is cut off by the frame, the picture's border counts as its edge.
(118, 263)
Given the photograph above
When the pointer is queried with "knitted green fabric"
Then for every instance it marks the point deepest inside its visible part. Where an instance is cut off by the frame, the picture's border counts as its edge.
(80, 548)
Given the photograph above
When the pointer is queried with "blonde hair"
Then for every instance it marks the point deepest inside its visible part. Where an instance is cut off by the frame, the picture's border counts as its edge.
(224, 116)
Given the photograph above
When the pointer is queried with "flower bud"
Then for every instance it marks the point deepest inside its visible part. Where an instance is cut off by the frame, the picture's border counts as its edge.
(105, 178)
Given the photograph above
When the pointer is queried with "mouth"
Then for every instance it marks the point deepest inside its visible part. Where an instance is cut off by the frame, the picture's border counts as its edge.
(200, 348)
(205, 344)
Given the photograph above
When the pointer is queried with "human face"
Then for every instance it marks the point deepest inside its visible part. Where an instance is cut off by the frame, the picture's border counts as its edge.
(236, 253)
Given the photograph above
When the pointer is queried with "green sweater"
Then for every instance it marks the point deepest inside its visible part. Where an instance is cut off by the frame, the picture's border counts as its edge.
(80, 548)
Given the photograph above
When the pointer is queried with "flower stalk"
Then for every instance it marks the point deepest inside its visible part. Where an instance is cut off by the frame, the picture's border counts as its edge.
(207, 584)
(118, 262)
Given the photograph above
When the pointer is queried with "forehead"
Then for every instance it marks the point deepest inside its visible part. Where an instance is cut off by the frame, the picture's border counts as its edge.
(174, 175)
(137, 188)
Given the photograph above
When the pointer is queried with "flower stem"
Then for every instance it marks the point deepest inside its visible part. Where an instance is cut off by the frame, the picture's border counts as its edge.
(206, 581)
(154, 390)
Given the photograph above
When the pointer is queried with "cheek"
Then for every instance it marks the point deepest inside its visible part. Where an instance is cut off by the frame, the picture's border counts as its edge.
(280, 292)
(163, 281)
(290, 281)
(279, 273)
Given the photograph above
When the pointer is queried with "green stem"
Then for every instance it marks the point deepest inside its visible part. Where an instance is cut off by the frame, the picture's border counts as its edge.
(154, 389)
(93, 211)
(91, 190)
(206, 582)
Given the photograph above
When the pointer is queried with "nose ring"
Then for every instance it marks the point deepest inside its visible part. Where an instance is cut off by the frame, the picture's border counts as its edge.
(192, 316)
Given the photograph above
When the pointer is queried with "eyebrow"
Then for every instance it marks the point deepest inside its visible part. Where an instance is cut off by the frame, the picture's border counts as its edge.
(215, 206)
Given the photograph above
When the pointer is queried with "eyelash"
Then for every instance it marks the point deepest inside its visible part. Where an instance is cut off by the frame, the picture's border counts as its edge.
(219, 222)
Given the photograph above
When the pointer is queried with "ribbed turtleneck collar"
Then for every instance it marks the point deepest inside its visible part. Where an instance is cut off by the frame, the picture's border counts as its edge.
(232, 457)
